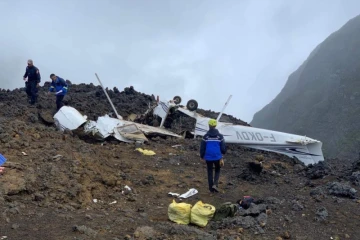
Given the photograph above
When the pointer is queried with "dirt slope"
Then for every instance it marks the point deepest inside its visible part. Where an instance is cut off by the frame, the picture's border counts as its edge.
(49, 192)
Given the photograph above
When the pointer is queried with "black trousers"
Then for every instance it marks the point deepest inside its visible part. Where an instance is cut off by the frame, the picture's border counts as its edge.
(59, 103)
(213, 180)
(31, 91)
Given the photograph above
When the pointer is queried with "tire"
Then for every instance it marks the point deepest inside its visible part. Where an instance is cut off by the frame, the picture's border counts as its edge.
(177, 99)
(192, 105)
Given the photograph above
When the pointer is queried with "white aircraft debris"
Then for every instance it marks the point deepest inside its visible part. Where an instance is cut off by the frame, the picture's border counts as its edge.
(105, 126)
(126, 131)
(305, 149)
(68, 118)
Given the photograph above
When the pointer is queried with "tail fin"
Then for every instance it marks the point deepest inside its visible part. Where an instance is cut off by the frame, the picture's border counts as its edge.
(316, 152)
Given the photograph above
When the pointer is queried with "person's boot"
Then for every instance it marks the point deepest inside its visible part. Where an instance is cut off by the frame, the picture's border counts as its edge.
(215, 188)
(32, 101)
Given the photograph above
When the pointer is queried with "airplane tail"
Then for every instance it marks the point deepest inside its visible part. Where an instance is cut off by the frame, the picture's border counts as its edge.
(316, 152)
(308, 154)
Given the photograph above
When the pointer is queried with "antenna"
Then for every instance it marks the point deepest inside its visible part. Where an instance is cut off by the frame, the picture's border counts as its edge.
(112, 105)
(218, 118)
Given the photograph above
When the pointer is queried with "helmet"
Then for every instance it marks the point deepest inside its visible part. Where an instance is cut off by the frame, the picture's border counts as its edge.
(212, 123)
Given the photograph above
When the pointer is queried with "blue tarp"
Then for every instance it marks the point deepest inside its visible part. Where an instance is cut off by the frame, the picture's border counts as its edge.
(2, 159)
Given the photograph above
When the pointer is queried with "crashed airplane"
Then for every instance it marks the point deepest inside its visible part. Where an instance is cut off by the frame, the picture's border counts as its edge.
(306, 149)
(303, 148)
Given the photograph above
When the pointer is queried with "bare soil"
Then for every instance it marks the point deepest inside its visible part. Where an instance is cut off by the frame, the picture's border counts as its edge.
(49, 192)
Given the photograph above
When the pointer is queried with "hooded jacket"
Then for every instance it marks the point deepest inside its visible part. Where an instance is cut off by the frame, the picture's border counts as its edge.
(212, 145)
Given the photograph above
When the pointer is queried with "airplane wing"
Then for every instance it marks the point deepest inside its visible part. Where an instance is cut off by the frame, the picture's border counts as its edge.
(305, 149)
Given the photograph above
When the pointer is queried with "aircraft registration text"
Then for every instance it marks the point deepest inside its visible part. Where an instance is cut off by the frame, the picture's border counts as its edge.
(254, 136)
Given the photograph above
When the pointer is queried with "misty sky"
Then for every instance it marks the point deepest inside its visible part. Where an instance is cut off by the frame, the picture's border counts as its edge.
(200, 49)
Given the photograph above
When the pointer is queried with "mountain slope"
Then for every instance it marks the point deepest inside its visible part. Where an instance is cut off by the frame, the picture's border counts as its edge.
(321, 99)
(84, 185)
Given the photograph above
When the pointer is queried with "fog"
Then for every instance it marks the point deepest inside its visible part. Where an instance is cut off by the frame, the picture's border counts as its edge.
(197, 49)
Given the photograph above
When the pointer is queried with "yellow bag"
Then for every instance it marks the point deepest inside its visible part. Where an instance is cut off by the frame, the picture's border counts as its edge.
(146, 152)
(201, 213)
(179, 212)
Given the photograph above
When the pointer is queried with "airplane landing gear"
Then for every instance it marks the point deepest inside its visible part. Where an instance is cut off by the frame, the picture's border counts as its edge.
(177, 100)
(192, 105)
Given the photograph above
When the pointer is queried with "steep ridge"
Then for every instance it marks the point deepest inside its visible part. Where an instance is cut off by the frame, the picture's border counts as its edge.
(321, 99)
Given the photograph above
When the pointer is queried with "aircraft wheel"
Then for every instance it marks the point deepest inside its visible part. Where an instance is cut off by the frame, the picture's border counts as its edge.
(177, 99)
(192, 105)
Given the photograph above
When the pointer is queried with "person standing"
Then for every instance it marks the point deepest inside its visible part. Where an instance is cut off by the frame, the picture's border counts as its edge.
(32, 74)
(60, 87)
(212, 149)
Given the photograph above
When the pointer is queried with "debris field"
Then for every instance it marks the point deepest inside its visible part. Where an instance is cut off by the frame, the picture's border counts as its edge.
(63, 185)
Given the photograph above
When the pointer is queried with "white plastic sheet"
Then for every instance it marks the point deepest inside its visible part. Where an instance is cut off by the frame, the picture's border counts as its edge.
(190, 193)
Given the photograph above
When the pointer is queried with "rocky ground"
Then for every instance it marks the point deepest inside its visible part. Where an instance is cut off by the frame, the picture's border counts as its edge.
(58, 186)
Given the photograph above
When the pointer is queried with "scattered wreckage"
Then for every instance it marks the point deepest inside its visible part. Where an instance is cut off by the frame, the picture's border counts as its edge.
(306, 149)
(105, 126)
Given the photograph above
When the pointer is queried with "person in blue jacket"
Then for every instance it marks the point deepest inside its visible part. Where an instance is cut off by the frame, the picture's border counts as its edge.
(60, 87)
(212, 149)
(32, 82)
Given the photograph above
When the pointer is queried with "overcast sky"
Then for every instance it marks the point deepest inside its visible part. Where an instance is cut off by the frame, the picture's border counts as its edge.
(198, 49)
